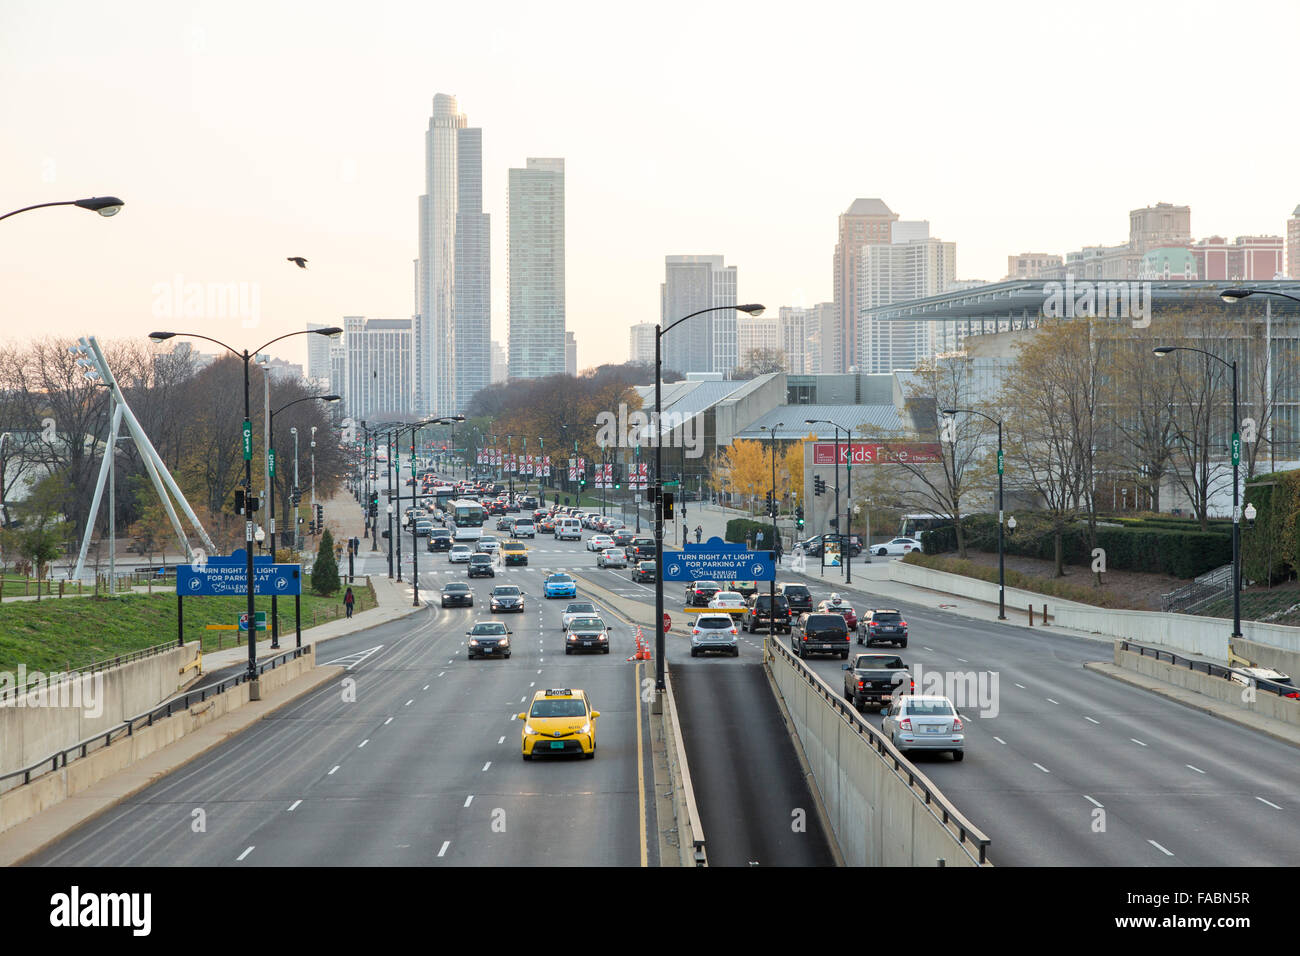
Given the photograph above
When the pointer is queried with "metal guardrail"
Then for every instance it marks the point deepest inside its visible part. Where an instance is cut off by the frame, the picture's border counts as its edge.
(1203, 590)
(105, 664)
(60, 758)
(1205, 667)
(692, 811)
(971, 837)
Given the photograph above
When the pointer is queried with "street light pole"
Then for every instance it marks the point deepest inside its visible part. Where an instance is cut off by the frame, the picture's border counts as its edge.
(839, 527)
(660, 636)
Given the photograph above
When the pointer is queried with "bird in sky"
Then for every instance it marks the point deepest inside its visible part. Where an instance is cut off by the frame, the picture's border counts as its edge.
(302, 263)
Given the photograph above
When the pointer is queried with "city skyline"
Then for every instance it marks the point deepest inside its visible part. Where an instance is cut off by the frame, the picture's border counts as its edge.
(220, 187)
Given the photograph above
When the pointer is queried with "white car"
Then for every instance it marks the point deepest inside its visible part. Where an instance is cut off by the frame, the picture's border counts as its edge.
(733, 602)
(914, 722)
(577, 609)
(612, 558)
(459, 554)
(897, 546)
(599, 542)
(488, 544)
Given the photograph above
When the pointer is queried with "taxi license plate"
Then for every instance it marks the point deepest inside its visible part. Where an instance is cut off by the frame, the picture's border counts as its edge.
(557, 745)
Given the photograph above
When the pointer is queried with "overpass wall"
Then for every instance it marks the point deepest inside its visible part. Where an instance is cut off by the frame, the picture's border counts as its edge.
(880, 818)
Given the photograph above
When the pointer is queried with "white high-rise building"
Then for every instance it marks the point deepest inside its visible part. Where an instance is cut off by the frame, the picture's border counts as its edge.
(755, 333)
(641, 343)
(535, 280)
(793, 328)
(709, 342)
(912, 266)
(500, 363)
(378, 367)
(318, 355)
(452, 357)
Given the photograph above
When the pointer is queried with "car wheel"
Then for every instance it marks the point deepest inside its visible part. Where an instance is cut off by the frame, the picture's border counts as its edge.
(606, 651)
(844, 655)
(959, 755)
(902, 643)
(568, 650)
(590, 756)
(526, 756)
(507, 657)
(883, 552)
(695, 652)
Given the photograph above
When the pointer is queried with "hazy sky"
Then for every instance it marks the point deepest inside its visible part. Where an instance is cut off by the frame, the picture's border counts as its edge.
(240, 133)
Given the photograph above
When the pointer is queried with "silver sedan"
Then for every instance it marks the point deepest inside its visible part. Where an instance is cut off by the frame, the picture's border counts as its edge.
(612, 558)
(914, 722)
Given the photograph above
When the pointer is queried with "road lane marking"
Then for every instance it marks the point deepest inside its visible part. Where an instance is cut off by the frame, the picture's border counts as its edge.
(1050, 701)
(296, 804)
(1273, 805)
(440, 673)
(502, 740)
(1001, 741)
(1021, 686)
(409, 702)
(539, 670)
(426, 686)
(1092, 801)
(445, 844)
(1138, 742)
(928, 648)
(244, 854)
(363, 743)
(963, 660)
(469, 799)
(486, 765)
(1197, 769)
(1098, 722)
(533, 683)
(1042, 768)
(1159, 847)
(332, 772)
(388, 721)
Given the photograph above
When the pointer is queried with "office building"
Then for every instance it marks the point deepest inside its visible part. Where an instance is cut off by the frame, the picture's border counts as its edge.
(1245, 259)
(707, 343)
(866, 222)
(570, 353)
(641, 343)
(500, 363)
(473, 286)
(1031, 265)
(535, 277)
(755, 334)
(318, 354)
(912, 266)
(378, 368)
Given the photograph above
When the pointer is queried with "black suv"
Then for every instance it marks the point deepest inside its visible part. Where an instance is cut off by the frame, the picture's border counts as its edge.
(480, 566)
(798, 596)
(821, 634)
(700, 593)
(759, 614)
(883, 624)
(439, 539)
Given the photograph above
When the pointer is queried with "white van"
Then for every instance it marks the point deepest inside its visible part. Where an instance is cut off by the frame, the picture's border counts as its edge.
(568, 529)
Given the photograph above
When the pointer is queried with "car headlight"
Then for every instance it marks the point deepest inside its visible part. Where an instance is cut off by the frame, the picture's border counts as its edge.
(573, 637)
(528, 729)
(473, 643)
(504, 642)
(586, 728)
(604, 637)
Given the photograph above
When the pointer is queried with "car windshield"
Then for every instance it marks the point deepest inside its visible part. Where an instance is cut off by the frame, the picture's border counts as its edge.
(717, 621)
(647, 565)
(879, 662)
(460, 547)
(587, 623)
(796, 590)
(708, 585)
(506, 590)
(728, 596)
(480, 559)
(887, 617)
(928, 708)
(580, 609)
(559, 579)
(559, 708)
(497, 628)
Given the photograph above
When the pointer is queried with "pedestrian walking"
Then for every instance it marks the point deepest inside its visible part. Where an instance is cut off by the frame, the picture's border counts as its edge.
(349, 599)
(778, 550)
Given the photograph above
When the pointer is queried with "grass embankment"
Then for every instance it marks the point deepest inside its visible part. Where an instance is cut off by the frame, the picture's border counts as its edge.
(73, 633)
(1065, 590)
(1277, 605)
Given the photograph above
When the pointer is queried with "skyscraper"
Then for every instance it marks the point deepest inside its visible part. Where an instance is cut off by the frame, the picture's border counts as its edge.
(451, 351)
(911, 266)
(1293, 245)
(865, 222)
(570, 353)
(378, 367)
(707, 343)
(535, 278)
(641, 343)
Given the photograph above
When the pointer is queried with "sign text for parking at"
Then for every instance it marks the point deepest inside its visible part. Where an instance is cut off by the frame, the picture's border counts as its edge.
(717, 560)
(225, 581)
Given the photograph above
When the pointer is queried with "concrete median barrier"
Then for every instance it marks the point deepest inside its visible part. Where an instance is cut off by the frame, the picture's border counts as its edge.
(883, 811)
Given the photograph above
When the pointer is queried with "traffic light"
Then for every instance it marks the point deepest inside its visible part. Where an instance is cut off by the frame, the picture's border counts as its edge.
(374, 504)
(320, 517)
(239, 501)
(668, 504)
(819, 485)
(798, 516)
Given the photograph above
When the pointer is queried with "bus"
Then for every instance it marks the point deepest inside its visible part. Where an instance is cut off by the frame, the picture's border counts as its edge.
(912, 525)
(467, 517)
(440, 497)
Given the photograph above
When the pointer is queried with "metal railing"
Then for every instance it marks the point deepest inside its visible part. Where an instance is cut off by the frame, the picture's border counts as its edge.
(1208, 587)
(59, 759)
(1205, 667)
(971, 837)
(105, 664)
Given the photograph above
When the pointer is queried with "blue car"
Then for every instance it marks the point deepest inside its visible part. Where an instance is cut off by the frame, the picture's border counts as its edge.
(560, 586)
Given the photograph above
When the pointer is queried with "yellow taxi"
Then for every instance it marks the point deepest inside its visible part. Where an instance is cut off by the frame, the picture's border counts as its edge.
(514, 552)
(559, 721)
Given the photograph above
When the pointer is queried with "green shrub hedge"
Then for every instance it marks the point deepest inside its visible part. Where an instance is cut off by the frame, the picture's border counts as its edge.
(740, 528)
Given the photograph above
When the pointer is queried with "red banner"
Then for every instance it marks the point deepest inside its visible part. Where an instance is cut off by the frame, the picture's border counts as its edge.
(871, 453)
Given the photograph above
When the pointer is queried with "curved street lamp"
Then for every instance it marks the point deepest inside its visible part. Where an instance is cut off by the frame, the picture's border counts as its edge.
(246, 356)
(755, 310)
(106, 206)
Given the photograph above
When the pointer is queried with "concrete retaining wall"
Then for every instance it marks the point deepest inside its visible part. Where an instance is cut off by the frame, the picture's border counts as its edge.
(878, 818)
(1266, 655)
(25, 802)
(97, 701)
(963, 586)
(1217, 688)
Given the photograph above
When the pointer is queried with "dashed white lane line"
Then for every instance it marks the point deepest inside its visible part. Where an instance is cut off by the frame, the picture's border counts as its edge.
(486, 765)
(1042, 768)
(539, 670)
(1050, 701)
(1271, 804)
(1138, 742)
(426, 686)
(521, 700)
(1092, 801)
(445, 844)
(409, 702)
(533, 683)
(1197, 769)
(963, 660)
(388, 721)
(296, 805)
(1000, 740)
(1021, 686)
(1159, 847)
(334, 771)
(244, 854)
(502, 740)
(440, 673)
(363, 743)
(931, 649)
(1087, 718)
(469, 799)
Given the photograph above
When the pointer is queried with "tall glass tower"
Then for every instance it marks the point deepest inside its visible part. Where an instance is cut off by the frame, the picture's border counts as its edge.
(535, 251)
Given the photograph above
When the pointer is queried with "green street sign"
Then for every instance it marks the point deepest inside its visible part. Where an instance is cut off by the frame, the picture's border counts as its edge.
(999, 461)
(1236, 449)
(270, 461)
(248, 441)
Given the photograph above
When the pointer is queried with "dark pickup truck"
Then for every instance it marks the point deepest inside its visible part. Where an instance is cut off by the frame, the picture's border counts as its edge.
(873, 678)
